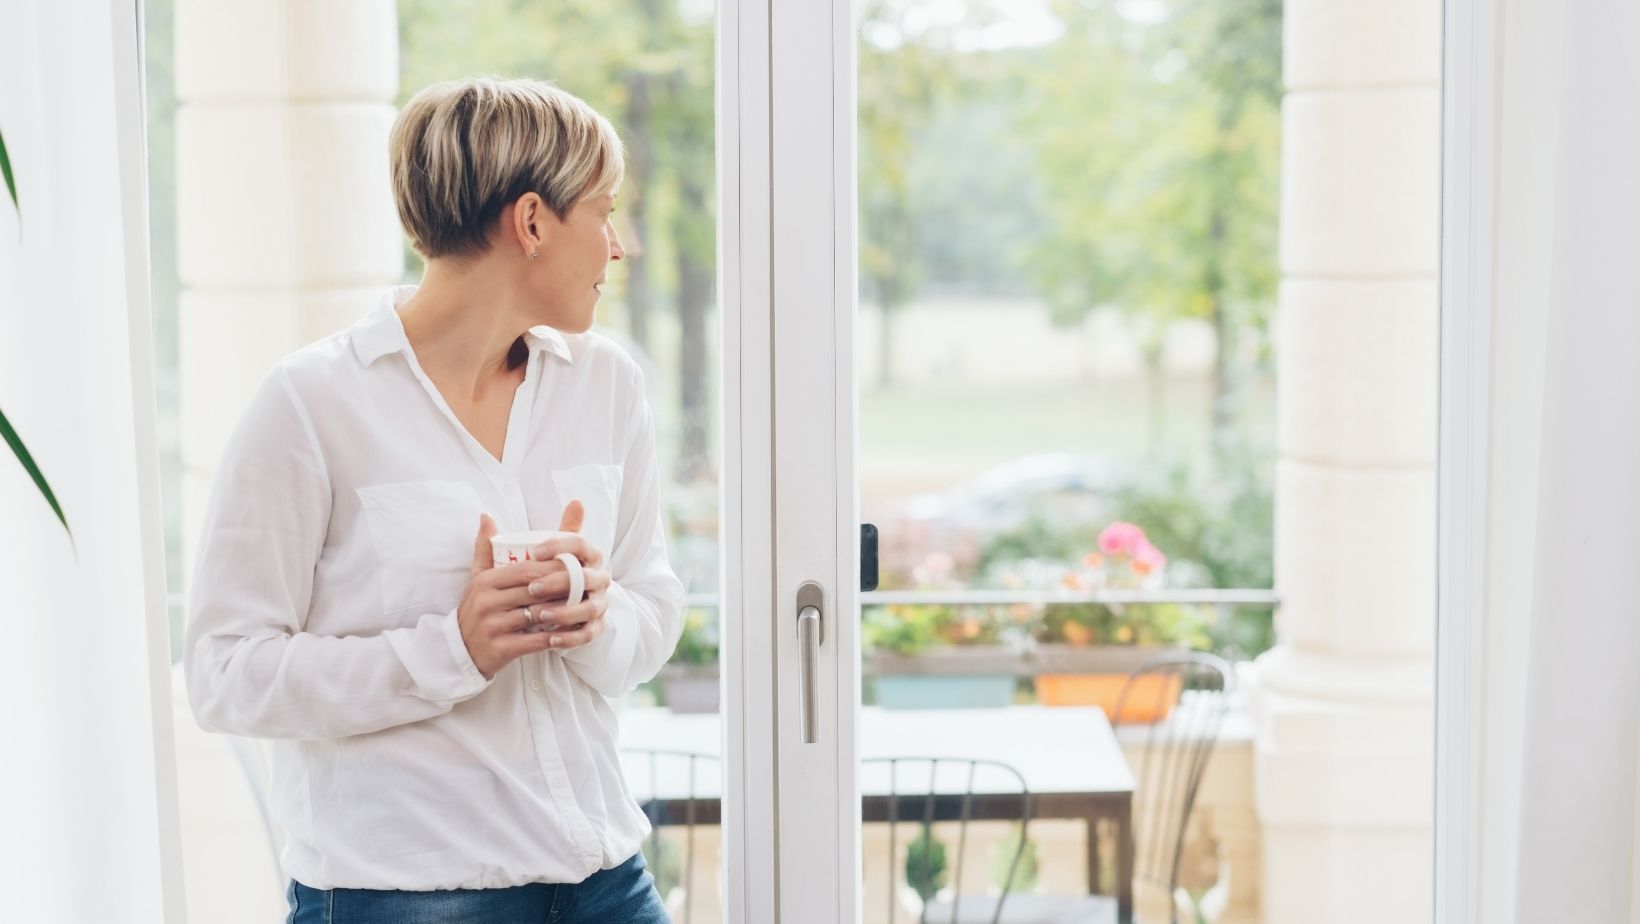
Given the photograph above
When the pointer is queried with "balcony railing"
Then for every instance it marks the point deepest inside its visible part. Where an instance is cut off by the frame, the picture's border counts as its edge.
(1215, 597)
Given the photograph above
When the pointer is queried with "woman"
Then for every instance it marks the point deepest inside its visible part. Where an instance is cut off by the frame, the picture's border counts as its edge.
(432, 759)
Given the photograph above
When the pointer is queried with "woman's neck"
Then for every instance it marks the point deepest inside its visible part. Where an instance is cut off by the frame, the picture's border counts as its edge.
(461, 328)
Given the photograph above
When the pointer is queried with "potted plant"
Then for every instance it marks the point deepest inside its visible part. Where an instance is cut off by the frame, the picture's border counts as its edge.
(689, 681)
(928, 656)
(933, 656)
(927, 872)
(1086, 651)
(1014, 863)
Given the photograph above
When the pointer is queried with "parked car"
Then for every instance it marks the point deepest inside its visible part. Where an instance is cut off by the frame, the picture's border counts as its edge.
(1061, 488)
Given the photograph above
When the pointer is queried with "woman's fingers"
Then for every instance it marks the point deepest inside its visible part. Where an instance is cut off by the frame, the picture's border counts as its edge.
(516, 644)
(553, 588)
(575, 638)
(589, 554)
(525, 573)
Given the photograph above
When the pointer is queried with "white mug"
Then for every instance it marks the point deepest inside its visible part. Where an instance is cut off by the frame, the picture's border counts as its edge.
(512, 548)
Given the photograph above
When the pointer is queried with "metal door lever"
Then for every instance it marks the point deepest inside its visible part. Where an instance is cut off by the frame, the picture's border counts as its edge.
(810, 634)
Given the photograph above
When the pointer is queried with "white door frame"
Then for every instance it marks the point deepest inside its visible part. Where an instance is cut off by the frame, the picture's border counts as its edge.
(786, 257)
(751, 870)
(1469, 88)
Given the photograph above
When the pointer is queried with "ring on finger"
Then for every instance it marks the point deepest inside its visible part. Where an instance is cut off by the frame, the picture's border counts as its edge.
(529, 618)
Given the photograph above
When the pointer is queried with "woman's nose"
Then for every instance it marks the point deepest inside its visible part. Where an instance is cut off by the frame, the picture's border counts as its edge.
(616, 250)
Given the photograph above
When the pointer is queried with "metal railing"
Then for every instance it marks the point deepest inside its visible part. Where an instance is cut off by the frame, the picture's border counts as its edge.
(1216, 597)
(1004, 596)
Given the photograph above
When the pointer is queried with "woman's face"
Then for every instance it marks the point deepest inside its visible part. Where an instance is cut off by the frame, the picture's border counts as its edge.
(573, 260)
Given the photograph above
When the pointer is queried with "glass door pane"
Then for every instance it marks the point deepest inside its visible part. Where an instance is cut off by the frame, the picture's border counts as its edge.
(1076, 221)
(317, 117)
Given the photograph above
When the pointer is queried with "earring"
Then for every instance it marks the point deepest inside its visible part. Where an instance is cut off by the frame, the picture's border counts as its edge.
(534, 254)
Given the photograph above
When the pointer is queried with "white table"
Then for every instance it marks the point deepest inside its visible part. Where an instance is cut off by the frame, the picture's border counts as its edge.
(1068, 757)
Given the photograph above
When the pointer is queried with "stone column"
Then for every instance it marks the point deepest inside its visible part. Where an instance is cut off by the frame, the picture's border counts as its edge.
(1344, 760)
(285, 223)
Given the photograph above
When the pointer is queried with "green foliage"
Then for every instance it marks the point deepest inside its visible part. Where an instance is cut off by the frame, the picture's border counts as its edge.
(909, 628)
(1040, 537)
(1004, 857)
(1129, 624)
(1222, 521)
(1216, 524)
(665, 862)
(926, 870)
(22, 454)
(5, 170)
(699, 642)
(903, 628)
(7, 432)
(1158, 143)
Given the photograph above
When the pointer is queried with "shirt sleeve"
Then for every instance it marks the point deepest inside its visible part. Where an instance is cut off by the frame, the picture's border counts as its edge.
(645, 614)
(251, 668)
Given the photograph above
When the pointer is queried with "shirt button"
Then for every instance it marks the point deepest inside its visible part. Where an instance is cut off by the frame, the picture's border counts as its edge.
(509, 489)
(535, 685)
(559, 781)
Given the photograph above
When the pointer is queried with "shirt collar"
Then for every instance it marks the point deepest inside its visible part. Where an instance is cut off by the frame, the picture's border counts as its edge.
(381, 332)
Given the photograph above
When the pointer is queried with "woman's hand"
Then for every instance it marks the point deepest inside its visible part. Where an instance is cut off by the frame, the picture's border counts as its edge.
(584, 621)
(491, 613)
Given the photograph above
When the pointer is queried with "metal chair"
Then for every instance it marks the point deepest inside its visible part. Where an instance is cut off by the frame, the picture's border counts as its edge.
(1174, 754)
(669, 784)
(930, 789)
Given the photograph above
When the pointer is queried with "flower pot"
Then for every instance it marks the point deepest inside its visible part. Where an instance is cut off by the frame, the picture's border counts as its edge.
(1095, 676)
(935, 692)
(689, 688)
(978, 677)
(1150, 699)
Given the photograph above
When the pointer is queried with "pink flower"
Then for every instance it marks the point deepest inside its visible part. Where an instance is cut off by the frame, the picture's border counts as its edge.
(1121, 537)
(1148, 558)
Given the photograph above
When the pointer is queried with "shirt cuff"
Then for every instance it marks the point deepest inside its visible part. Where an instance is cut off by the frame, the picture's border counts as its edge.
(471, 678)
(613, 649)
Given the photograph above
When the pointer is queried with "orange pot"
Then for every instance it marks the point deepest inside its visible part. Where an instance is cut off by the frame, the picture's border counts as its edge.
(1150, 698)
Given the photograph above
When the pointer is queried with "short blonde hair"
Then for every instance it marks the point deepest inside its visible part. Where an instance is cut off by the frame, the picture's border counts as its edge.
(463, 150)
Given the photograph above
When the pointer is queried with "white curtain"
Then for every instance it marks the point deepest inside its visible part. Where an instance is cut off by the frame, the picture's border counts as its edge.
(87, 788)
(1577, 809)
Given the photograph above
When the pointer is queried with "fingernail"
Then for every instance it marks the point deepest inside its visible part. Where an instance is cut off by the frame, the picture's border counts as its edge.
(555, 640)
(538, 588)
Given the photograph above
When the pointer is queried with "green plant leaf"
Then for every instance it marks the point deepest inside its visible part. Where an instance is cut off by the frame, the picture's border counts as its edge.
(17, 447)
(5, 168)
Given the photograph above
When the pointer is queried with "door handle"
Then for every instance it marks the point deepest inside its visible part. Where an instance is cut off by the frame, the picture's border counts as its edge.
(810, 634)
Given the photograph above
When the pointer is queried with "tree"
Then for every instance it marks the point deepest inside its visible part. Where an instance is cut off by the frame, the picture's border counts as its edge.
(1158, 140)
(910, 70)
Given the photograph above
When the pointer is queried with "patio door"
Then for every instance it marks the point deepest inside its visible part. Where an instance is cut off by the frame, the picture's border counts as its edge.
(1005, 273)
(791, 522)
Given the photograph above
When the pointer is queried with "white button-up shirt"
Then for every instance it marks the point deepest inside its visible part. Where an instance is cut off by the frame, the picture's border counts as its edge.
(336, 546)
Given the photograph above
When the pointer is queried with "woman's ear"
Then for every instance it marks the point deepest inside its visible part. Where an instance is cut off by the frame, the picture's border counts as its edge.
(531, 224)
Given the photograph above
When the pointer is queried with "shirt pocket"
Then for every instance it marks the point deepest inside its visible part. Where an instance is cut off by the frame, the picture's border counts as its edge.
(423, 532)
(598, 488)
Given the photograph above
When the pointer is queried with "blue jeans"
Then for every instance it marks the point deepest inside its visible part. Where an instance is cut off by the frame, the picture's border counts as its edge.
(625, 894)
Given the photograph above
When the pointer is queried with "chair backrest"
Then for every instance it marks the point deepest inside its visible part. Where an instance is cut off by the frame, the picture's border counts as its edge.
(1174, 754)
(926, 790)
(672, 789)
